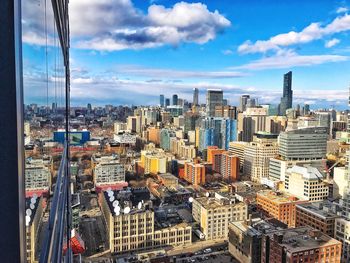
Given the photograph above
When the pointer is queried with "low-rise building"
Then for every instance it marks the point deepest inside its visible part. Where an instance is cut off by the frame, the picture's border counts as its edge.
(129, 217)
(214, 214)
(37, 175)
(302, 244)
(278, 205)
(244, 238)
(318, 215)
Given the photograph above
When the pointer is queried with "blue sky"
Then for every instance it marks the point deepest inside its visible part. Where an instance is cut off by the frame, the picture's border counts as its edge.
(129, 52)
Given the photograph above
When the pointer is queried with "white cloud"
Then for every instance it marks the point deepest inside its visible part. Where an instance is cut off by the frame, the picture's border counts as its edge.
(176, 74)
(116, 25)
(290, 59)
(342, 10)
(310, 33)
(332, 43)
(227, 52)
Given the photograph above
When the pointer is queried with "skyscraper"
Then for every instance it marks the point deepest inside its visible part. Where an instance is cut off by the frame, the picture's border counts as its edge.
(287, 99)
(161, 100)
(195, 96)
(167, 102)
(175, 99)
(214, 98)
(243, 102)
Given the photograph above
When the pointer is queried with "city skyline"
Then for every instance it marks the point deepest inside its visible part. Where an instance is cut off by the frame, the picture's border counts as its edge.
(241, 54)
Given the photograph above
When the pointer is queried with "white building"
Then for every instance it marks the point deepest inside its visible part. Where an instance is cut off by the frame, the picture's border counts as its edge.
(306, 183)
(107, 170)
(37, 175)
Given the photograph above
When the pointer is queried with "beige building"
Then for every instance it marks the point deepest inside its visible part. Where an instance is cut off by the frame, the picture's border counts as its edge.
(340, 182)
(306, 183)
(237, 148)
(257, 156)
(131, 226)
(33, 221)
(215, 213)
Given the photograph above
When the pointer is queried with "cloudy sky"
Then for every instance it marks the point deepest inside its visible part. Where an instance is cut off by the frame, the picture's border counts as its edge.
(130, 51)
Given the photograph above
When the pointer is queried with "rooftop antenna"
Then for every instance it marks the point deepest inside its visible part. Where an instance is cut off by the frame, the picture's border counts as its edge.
(127, 210)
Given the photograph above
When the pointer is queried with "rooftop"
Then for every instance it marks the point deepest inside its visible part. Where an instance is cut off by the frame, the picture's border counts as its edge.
(324, 209)
(308, 172)
(278, 197)
(302, 238)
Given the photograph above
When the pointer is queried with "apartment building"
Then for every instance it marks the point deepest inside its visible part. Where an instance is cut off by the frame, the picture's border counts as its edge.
(194, 172)
(107, 170)
(37, 175)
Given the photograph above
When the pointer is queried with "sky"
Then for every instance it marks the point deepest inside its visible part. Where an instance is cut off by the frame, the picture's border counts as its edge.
(128, 52)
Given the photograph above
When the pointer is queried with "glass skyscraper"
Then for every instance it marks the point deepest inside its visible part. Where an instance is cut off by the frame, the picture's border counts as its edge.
(287, 99)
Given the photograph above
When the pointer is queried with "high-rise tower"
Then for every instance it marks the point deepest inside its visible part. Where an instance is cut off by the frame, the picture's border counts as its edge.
(195, 96)
(287, 99)
(214, 98)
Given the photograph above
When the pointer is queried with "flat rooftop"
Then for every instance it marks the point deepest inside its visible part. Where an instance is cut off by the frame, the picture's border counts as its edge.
(302, 238)
(278, 197)
(323, 209)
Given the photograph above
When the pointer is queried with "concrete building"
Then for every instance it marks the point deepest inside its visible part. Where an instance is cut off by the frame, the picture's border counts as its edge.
(318, 215)
(107, 170)
(226, 164)
(134, 124)
(237, 149)
(244, 238)
(214, 214)
(278, 167)
(194, 172)
(130, 221)
(37, 175)
(154, 161)
(306, 183)
(301, 144)
(243, 102)
(214, 98)
(340, 182)
(165, 135)
(302, 244)
(280, 206)
(251, 121)
(257, 156)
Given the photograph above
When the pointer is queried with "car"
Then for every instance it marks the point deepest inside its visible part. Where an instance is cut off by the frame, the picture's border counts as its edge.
(207, 250)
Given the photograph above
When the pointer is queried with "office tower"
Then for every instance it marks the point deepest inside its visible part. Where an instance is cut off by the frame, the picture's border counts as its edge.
(243, 102)
(237, 149)
(214, 98)
(131, 225)
(279, 205)
(167, 102)
(175, 99)
(214, 214)
(287, 99)
(251, 121)
(161, 100)
(251, 103)
(190, 121)
(257, 155)
(306, 183)
(302, 244)
(302, 144)
(89, 107)
(195, 97)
